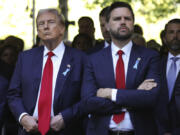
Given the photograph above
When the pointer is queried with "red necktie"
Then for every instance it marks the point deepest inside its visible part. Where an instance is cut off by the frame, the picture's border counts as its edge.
(45, 98)
(120, 83)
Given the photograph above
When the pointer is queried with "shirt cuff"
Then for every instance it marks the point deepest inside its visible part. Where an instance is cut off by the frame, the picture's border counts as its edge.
(22, 114)
(113, 95)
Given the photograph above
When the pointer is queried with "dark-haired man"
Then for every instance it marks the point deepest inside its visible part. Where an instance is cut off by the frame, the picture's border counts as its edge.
(121, 82)
(105, 33)
(170, 97)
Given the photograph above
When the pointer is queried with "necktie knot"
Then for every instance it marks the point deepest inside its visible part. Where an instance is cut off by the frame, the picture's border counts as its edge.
(120, 52)
(50, 54)
(174, 59)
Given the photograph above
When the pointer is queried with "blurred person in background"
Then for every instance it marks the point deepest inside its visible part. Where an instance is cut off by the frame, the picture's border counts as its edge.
(86, 26)
(82, 42)
(138, 39)
(138, 29)
(105, 33)
(15, 41)
(164, 48)
(152, 44)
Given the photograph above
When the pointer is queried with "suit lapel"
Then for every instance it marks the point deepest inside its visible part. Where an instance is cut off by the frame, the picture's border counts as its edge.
(37, 72)
(164, 90)
(108, 66)
(64, 71)
(132, 69)
(164, 67)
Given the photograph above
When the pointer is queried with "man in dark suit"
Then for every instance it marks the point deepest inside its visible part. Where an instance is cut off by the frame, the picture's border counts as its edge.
(6, 70)
(169, 104)
(44, 92)
(3, 92)
(121, 91)
(107, 38)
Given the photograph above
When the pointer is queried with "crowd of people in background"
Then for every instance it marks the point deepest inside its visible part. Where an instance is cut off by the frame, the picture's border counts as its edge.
(167, 118)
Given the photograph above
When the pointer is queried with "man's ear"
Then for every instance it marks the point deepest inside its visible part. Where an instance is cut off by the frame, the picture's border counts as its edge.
(164, 39)
(62, 30)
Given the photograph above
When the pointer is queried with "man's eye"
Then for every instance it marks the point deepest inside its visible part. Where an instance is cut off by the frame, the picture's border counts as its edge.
(40, 24)
(171, 32)
(128, 18)
(117, 18)
(52, 21)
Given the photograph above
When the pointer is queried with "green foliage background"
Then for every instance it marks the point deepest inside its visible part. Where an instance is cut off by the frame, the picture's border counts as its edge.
(152, 10)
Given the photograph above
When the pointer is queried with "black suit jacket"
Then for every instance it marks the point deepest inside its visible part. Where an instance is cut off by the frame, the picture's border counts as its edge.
(168, 111)
(99, 45)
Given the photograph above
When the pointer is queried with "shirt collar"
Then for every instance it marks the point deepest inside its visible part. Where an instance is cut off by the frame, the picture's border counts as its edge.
(57, 51)
(106, 44)
(126, 49)
(170, 56)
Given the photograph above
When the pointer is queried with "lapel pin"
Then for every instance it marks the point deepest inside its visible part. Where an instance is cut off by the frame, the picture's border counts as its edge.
(136, 63)
(67, 70)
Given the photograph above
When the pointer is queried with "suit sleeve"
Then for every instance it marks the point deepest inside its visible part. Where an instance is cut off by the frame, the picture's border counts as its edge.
(142, 98)
(84, 106)
(92, 103)
(75, 111)
(14, 95)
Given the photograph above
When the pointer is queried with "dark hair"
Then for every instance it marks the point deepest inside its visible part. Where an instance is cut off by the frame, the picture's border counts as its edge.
(86, 38)
(138, 29)
(53, 11)
(13, 49)
(162, 34)
(176, 20)
(118, 5)
(17, 42)
(87, 18)
(103, 12)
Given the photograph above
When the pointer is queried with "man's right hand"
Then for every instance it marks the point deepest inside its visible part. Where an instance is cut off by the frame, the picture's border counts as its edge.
(147, 84)
(29, 123)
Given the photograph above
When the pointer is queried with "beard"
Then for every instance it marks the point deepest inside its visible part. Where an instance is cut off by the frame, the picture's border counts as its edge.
(118, 36)
(174, 45)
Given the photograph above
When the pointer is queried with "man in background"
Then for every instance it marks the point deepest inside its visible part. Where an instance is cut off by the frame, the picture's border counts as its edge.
(105, 33)
(169, 105)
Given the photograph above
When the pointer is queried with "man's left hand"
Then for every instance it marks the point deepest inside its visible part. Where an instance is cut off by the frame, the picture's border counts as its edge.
(147, 84)
(57, 122)
(104, 93)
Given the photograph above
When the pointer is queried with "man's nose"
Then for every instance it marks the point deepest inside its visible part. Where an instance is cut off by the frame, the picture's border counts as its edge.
(176, 35)
(123, 21)
(45, 25)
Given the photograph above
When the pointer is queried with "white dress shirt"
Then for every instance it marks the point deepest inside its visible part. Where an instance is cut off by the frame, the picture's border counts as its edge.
(106, 44)
(126, 124)
(56, 60)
